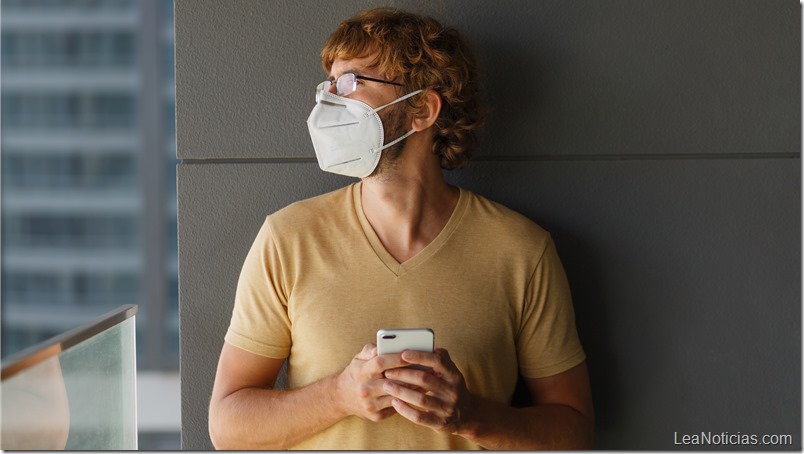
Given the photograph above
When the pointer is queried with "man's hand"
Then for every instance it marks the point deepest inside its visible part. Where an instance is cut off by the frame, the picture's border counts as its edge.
(360, 385)
(437, 398)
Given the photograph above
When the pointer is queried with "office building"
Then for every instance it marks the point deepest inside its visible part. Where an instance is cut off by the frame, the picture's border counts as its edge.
(88, 174)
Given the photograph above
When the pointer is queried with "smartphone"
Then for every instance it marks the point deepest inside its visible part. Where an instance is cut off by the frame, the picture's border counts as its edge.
(397, 340)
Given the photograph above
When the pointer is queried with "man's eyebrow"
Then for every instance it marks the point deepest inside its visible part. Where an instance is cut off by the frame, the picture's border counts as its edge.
(355, 71)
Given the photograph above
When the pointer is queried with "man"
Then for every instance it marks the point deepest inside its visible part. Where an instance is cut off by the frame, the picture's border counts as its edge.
(399, 249)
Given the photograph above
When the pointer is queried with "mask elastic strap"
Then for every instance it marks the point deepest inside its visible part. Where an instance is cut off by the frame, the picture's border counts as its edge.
(377, 109)
(404, 136)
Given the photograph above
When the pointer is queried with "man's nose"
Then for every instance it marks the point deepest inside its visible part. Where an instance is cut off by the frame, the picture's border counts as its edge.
(333, 88)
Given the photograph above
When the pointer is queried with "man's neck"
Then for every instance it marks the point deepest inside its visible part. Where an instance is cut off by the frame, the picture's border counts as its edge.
(408, 209)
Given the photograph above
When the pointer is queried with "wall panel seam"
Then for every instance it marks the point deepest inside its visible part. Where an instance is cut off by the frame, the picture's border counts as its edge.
(534, 158)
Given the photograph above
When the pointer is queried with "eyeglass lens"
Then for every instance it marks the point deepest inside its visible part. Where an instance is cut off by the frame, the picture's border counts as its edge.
(344, 85)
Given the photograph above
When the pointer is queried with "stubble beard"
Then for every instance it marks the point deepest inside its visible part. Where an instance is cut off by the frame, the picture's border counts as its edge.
(394, 128)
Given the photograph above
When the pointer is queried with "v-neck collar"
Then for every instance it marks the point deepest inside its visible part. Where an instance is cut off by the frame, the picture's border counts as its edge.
(387, 259)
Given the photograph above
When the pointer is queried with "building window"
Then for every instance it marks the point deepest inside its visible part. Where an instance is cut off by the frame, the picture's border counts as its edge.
(61, 5)
(70, 170)
(73, 111)
(80, 48)
(42, 288)
(70, 231)
(37, 288)
(106, 290)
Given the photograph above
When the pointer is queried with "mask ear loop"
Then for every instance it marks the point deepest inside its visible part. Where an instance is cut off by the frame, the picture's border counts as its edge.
(377, 109)
(404, 136)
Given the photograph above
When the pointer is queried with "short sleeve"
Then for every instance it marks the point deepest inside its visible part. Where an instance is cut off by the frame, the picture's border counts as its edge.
(260, 322)
(548, 341)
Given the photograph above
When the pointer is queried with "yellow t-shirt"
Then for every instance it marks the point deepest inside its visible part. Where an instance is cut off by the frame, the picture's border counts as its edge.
(317, 284)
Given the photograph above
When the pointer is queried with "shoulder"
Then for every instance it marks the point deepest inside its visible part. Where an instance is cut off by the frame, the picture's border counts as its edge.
(319, 210)
(505, 226)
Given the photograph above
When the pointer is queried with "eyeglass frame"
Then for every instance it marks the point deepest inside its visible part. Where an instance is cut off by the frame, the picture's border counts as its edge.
(325, 85)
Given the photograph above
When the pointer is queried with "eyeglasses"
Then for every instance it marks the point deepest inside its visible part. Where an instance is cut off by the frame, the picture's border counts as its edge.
(346, 84)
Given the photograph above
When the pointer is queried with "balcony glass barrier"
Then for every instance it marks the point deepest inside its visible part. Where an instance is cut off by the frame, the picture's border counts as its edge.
(76, 391)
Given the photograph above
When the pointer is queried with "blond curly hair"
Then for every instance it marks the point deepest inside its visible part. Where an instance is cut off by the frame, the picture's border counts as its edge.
(426, 55)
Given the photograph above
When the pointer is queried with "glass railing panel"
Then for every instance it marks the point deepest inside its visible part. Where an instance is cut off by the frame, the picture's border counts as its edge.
(76, 391)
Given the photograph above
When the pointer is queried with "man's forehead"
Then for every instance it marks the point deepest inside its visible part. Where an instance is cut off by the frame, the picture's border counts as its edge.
(357, 65)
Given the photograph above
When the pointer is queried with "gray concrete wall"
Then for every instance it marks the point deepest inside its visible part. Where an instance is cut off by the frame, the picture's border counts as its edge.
(659, 142)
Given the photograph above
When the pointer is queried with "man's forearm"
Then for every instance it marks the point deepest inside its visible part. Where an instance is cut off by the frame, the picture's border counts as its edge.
(496, 426)
(254, 418)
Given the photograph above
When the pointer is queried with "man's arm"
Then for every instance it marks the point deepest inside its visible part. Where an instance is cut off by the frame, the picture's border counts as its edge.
(561, 417)
(245, 412)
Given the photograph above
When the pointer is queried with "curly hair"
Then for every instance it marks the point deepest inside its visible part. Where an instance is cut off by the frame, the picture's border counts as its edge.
(426, 55)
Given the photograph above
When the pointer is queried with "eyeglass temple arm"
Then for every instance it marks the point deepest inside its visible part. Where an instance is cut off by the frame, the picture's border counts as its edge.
(377, 80)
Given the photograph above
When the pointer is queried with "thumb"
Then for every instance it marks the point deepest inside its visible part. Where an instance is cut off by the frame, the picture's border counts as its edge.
(369, 351)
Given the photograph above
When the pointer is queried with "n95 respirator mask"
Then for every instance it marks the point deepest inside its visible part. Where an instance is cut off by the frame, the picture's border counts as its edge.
(347, 134)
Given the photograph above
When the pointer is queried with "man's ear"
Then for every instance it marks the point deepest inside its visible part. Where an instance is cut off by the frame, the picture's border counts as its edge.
(429, 115)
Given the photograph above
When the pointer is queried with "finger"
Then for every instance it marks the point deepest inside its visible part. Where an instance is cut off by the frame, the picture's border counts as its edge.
(385, 401)
(411, 386)
(380, 364)
(378, 402)
(369, 351)
(383, 414)
(372, 399)
(416, 416)
(441, 392)
(439, 360)
(416, 398)
(379, 409)
(389, 361)
(416, 379)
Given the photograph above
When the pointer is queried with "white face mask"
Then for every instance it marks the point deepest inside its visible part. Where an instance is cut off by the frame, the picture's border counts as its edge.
(348, 135)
